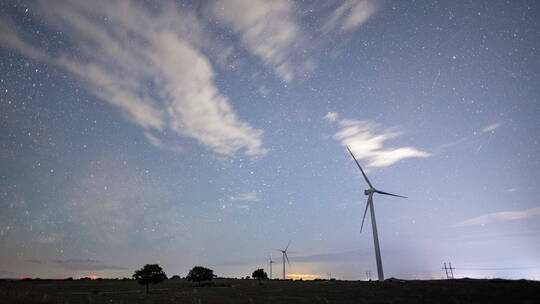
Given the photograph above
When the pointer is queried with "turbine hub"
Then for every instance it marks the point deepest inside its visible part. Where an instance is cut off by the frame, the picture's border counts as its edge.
(369, 191)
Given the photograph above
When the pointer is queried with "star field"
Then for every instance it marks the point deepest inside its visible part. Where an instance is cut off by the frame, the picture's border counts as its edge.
(187, 133)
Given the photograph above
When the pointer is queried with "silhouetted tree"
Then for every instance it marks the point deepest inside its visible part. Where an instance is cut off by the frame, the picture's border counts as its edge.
(175, 277)
(199, 274)
(259, 274)
(150, 273)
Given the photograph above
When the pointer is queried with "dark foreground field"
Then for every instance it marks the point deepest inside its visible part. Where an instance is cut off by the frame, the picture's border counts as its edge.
(249, 291)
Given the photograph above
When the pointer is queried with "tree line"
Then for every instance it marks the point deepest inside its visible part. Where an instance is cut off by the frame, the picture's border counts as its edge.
(154, 274)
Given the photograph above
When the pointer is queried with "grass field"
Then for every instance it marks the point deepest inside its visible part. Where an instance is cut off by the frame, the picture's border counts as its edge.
(249, 291)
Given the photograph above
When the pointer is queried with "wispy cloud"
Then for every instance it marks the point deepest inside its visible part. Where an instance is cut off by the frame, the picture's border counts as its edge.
(491, 127)
(87, 264)
(147, 63)
(331, 116)
(331, 257)
(470, 138)
(117, 205)
(8, 274)
(242, 200)
(499, 217)
(34, 261)
(268, 29)
(248, 196)
(366, 140)
(158, 143)
(351, 14)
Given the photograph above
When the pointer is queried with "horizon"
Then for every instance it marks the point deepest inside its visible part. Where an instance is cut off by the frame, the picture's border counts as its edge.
(184, 133)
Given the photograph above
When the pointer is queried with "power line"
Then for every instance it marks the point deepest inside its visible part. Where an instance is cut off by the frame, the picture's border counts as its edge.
(450, 268)
(499, 268)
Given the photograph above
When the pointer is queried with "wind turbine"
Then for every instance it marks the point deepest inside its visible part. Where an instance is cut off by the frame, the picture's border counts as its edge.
(284, 252)
(271, 262)
(369, 192)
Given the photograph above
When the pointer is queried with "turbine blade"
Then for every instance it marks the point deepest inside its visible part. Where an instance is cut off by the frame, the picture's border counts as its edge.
(288, 245)
(386, 193)
(364, 174)
(287, 257)
(365, 212)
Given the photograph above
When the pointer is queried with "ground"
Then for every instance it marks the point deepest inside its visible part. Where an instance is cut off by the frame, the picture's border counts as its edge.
(250, 291)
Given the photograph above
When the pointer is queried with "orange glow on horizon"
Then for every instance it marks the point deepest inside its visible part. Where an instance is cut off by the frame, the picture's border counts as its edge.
(298, 276)
(93, 277)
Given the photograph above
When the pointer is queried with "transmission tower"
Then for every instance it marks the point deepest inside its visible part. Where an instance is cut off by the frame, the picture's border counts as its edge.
(449, 271)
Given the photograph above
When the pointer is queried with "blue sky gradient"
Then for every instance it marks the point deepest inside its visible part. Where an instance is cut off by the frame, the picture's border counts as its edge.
(187, 133)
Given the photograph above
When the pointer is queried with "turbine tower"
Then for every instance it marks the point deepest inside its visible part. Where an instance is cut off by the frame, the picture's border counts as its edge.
(271, 262)
(369, 192)
(284, 252)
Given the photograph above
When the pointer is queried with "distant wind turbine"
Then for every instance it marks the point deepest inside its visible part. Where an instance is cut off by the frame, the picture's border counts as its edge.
(284, 252)
(369, 192)
(271, 262)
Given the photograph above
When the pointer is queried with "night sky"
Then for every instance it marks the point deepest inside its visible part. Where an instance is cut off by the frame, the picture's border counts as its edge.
(214, 132)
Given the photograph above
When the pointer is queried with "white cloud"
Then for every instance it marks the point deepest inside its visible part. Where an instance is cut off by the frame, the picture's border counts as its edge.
(331, 116)
(242, 200)
(158, 143)
(491, 127)
(366, 141)
(148, 64)
(9, 38)
(351, 14)
(248, 196)
(269, 30)
(499, 217)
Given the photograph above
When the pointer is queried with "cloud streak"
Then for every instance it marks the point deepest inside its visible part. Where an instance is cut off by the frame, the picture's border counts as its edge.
(352, 255)
(149, 64)
(504, 216)
(158, 143)
(86, 264)
(241, 200)
(35, 261)
(366, 140)
(491, 127)
(269, 30)
(248, 196)
(351, 14)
